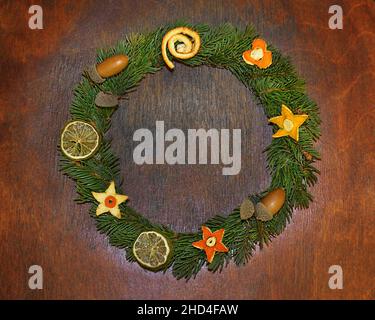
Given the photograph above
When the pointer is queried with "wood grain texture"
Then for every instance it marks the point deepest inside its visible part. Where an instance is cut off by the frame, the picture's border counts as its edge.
(40, 223)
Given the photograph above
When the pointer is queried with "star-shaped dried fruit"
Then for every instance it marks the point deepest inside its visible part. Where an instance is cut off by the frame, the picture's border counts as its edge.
(288, 123)
(109, 201)
(211, 243)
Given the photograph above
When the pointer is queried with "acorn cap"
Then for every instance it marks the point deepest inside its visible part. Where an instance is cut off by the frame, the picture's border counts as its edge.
(246, 209)
(93, 74)
(106, 100)
(262, 213)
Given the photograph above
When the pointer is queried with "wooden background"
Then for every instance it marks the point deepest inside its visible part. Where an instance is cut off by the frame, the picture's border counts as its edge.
(40, 223)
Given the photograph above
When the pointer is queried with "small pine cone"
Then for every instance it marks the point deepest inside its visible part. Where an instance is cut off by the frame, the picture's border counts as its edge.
(307, 155)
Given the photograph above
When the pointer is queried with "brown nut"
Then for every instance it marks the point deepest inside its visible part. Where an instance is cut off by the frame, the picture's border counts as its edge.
(274, 200)
(270, 204)
(112, 66)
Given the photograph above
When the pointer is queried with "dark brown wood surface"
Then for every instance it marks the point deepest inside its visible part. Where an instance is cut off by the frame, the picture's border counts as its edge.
(40, 223)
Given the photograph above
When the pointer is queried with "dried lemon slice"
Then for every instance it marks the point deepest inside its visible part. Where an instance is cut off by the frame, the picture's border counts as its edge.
(79, 140)
(151, 249)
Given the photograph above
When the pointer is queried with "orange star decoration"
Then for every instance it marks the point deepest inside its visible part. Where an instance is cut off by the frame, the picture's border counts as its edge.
(212, 242)
(258, 55)
(109, 201)
(288, 123)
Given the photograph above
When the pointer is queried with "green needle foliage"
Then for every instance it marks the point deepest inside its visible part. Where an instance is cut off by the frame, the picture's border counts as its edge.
(222, 47)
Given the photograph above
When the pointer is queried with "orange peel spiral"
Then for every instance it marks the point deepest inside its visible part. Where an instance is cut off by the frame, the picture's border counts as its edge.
(189, 44)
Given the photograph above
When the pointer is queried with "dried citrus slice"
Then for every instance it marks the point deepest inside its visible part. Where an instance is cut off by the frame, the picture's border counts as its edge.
(151, 249)
(79, 140)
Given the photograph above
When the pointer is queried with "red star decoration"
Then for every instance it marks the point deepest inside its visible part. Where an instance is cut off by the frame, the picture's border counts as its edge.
(211, 242)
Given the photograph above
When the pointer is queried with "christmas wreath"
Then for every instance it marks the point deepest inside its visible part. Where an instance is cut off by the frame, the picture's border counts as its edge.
(88, 159)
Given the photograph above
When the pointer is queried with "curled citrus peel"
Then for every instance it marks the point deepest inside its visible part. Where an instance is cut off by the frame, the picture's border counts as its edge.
(188, 45)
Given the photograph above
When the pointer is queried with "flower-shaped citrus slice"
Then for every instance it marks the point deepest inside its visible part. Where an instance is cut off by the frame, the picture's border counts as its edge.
(109, 201)
(258, 55)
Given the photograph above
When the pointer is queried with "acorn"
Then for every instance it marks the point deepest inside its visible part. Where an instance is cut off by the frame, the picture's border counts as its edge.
(108, 68)
(270, 204)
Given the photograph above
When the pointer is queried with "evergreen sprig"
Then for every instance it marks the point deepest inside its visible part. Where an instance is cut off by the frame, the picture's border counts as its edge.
(222, 47)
